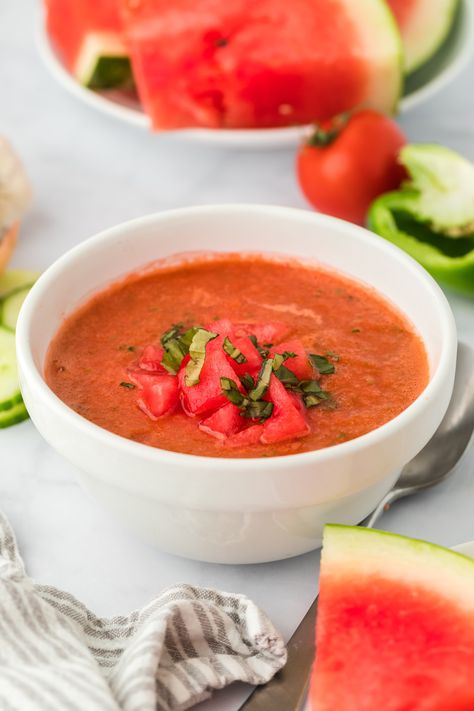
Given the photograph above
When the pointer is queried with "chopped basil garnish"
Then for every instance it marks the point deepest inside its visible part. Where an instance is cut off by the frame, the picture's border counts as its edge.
(311, 400)
(197, 353)
(356, 330)
(173, 356)
(263, 351)
(233, 352)
(332, 355)
(258, 410)
(263, 380)
(253, 409)
(132, 349)
(176, 346)
(247, 381)
(172, 333)
(232, 392)
(286, 376)
(322, 364)
(187, 337)
(128, 386)
(279, 358)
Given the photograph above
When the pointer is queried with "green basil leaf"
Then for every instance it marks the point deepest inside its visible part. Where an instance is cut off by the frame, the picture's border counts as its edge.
(247, 381)
(322, 364)
(197, 353)
(286, 376)
(263, 380)
(233, 352)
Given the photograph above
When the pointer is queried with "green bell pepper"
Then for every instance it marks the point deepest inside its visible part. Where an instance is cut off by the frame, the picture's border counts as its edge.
(432, 216)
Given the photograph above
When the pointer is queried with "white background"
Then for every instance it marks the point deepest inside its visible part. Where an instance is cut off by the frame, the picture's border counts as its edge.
(90, 172)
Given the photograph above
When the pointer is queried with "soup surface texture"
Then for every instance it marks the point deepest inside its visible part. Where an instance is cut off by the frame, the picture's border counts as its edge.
(380, 362)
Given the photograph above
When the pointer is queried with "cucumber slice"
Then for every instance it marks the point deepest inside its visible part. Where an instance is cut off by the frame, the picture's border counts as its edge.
(13, 416)
(10, 395)
(103, 62)
(16, 279)
(11, 308)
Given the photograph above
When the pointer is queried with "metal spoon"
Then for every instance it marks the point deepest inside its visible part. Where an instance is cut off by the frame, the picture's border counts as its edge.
(435, 462)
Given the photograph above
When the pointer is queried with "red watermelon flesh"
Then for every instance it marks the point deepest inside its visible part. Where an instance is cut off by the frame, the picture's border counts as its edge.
(395, 627)
(224, 422)
(402, 9)
(158, 393)
(271, 63)
(207, 394)
(246, 438)
(69, 21)
(300, 364)
(287, 421)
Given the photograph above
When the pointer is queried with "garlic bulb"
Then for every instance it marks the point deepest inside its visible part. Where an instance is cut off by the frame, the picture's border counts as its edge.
(15, 187)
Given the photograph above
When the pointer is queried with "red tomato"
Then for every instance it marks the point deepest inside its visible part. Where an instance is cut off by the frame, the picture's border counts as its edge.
(342, 175)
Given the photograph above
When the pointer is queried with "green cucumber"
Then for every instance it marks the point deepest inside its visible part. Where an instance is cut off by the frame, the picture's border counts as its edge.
(10, 395)
(103, 62)
(11, 308)
(16, 279)
(13, 416)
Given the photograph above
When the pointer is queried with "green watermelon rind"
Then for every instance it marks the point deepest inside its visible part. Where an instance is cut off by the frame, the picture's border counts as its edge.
(421, 59)
(401, 559)
(391, 25)
(103, 62)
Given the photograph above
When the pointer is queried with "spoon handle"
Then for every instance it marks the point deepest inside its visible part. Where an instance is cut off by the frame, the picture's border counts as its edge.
(381, 508)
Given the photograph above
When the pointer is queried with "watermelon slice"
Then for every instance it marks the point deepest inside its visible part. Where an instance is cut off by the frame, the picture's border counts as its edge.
(271, 63)
(88, 36)
(424, 25)
(395, 626)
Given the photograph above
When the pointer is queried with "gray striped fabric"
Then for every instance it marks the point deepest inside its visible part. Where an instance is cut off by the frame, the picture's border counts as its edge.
(57, 655)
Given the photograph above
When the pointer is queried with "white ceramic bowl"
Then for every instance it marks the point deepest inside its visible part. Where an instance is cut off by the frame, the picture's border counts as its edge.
(236, 510)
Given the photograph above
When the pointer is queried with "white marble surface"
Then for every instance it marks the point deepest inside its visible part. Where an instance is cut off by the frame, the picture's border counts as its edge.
(89, 173)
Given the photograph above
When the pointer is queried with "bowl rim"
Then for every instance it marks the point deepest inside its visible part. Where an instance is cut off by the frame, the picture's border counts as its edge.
(30, 372)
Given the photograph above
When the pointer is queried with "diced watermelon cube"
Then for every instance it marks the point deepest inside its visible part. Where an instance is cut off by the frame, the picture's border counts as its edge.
(159, 393)
(287, 420)
(151, 359)
(207, 394)
(253, 357)
(224, 422)
(246, 437)
(301, 365)
(269, 332)
(223, 326)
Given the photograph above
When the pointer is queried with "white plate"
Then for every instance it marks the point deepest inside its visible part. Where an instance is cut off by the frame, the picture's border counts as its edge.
(465, 549)
(420, 86)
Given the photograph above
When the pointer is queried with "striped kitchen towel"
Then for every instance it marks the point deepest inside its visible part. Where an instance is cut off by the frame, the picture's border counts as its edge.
(56, 655)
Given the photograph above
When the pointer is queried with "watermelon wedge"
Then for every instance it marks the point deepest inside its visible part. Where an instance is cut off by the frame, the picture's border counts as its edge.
(424, 25)
(271, 63)
(395, 626)
(88, 36)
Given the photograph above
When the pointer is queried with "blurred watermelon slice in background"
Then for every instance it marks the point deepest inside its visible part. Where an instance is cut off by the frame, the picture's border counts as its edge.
(88, 36)
(424, 25)
(271, 63)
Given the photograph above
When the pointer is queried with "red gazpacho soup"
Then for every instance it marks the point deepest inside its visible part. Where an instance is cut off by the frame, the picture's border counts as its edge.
(228, 355)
